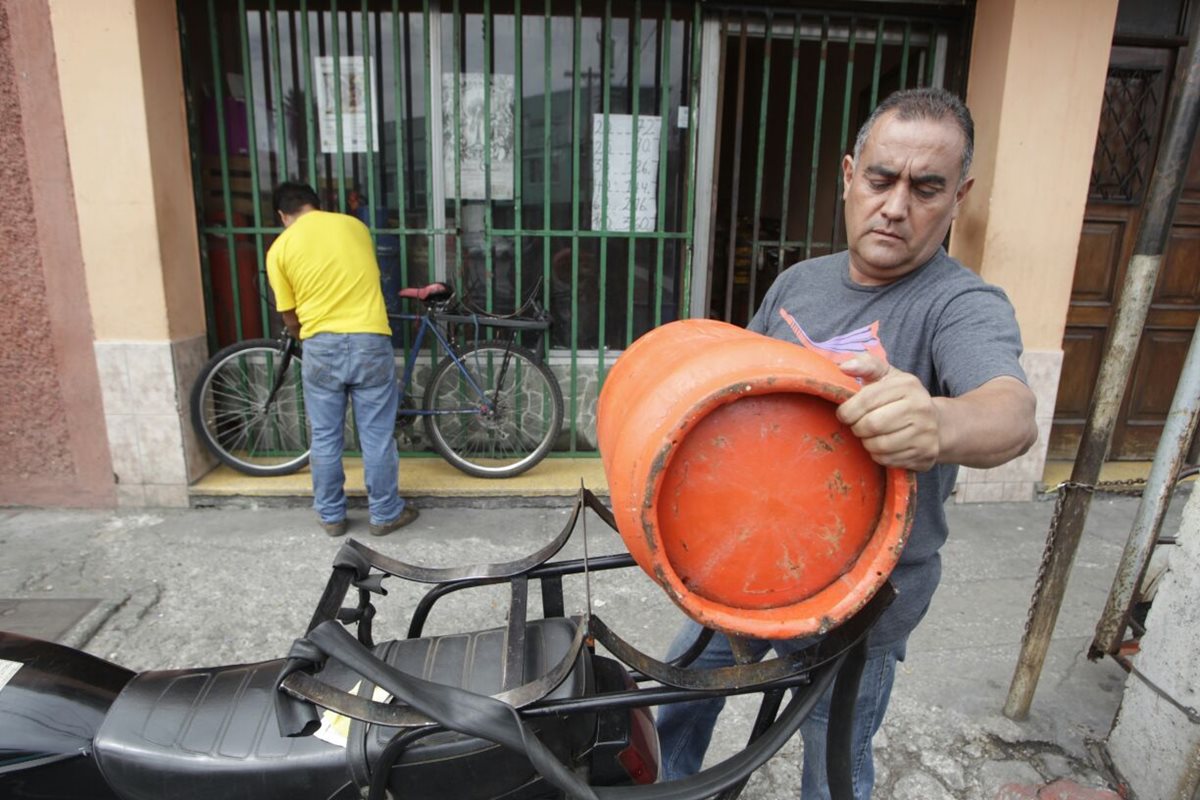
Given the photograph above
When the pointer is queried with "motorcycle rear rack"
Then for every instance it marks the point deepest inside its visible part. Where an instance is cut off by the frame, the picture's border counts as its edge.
(429, 708)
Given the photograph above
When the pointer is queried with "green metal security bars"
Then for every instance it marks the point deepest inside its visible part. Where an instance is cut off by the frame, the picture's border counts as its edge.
(590, 154)
(514, 151)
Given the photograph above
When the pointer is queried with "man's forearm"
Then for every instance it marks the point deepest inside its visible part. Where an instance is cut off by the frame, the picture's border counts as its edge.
(292, 322)
(988, 426)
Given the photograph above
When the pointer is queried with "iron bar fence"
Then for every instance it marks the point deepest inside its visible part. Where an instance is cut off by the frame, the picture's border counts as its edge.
(517, 148)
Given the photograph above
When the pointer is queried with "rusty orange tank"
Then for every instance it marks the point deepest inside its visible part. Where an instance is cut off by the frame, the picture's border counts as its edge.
(736, 488)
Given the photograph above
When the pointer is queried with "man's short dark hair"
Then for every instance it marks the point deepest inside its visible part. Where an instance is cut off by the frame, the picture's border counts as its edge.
(291, 197)
(925, 103)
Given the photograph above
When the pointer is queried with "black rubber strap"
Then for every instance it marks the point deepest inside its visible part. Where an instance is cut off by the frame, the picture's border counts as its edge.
(334, 594)
(356, 741)
(839, 752)
(734, 769)
(294, 717)
(729, 774)
(305, 687)
(487, 718)
(452, 707)
(400, 742)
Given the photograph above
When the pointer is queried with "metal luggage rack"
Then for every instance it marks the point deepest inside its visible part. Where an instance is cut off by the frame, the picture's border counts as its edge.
(836, 659)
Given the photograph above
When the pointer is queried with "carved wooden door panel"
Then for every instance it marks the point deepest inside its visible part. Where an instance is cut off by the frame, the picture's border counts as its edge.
(1130, 128)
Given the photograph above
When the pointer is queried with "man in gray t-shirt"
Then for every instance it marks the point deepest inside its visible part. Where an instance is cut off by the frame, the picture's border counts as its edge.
(936, 349)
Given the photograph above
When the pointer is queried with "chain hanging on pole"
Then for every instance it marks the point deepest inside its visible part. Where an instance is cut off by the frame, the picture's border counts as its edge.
(1162, 196)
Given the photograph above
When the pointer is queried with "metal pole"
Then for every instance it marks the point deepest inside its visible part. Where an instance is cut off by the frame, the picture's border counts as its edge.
(1161, 199)
(704, 115)
(435, 163)
(635, 99)
(819, 105)
(1168, 458)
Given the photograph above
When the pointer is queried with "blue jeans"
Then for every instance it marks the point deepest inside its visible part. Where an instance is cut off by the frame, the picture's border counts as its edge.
(361, 368)
(685, 729)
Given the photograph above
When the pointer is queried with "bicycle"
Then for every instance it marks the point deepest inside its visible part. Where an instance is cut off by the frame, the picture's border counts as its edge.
(491, 408)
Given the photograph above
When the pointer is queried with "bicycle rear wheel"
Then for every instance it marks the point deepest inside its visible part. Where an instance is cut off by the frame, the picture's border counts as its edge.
(520, 428)
(237, 417)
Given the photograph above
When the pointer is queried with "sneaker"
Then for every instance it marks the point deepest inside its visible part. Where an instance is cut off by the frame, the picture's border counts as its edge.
(334, 528)
(406, 516)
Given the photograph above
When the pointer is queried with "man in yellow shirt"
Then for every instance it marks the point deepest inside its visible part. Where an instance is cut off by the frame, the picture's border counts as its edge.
(323, 271)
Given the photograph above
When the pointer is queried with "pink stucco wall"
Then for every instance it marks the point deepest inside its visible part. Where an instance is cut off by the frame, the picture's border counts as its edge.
(53, 445)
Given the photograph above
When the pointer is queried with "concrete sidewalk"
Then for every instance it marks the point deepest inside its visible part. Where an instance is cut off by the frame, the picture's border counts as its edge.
(195, 587)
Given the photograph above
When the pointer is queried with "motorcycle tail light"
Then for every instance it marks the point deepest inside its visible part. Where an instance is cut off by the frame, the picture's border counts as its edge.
(640, 759)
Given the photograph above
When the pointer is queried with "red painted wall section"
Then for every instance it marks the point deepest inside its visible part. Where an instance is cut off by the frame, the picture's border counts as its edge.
(53, 441)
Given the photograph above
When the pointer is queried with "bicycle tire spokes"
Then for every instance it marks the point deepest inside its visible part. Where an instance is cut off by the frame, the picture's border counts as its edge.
(484, 432)
(494, 411)
(250, 407)
(249, 424)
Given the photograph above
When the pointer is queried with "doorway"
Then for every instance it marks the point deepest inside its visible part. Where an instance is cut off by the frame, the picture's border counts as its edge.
(795, 86)
(1140, 73)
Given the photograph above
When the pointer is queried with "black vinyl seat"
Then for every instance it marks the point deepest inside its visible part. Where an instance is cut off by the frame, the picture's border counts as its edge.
(207, 733)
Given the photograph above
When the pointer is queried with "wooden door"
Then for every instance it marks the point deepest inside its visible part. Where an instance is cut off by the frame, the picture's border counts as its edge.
(1131, 124)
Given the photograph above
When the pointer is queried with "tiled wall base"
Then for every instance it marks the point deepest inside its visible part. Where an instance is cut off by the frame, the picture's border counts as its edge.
(1018, 480)
(146, 387)
(587, 390)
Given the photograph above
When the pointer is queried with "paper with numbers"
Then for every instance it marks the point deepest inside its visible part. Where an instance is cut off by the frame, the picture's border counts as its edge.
(622, 184)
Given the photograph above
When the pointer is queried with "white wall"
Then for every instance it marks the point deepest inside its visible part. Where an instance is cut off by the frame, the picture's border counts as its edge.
(1154, 744)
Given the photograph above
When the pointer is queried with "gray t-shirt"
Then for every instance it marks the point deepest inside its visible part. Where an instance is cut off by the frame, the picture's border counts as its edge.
(943, 324)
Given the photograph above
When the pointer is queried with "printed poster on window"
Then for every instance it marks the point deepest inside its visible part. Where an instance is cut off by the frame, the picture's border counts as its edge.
(471, 120)
(352, 72)
(620, 179)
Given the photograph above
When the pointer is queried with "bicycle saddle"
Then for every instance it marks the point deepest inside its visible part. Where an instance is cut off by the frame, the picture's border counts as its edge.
(433, 293)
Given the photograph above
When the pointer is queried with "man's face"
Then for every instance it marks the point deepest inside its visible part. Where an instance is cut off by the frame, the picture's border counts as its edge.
(902, 196)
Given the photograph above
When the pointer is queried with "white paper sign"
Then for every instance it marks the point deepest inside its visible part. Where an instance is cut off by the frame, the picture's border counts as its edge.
(621, 180)
(500, 138)
(352, 72)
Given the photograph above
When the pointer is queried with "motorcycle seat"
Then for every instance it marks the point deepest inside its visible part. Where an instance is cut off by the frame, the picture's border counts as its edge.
(198, 734)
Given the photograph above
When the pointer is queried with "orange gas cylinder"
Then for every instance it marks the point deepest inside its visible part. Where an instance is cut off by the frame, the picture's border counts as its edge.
(736, 488)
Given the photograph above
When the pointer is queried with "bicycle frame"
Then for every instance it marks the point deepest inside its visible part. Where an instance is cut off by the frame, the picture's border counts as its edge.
(431, 320)
(471, 423)
(287, 347)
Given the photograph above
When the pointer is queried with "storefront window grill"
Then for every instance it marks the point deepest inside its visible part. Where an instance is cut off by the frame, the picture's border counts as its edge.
(489, 169)
(552, 148)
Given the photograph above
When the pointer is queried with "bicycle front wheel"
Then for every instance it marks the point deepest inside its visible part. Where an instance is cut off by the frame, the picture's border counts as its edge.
(248, 408)
(495, 411)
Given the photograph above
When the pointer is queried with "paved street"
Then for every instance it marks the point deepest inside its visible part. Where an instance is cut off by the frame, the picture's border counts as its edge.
(184, 588)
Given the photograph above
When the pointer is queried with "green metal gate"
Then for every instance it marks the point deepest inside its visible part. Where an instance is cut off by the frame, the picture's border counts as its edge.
(600, 156)
(548, 151)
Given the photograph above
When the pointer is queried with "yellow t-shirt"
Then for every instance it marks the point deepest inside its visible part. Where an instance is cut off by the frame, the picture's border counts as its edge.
(323, 266)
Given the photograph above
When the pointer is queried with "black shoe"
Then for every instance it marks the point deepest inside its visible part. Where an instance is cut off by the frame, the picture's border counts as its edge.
(406, 516)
